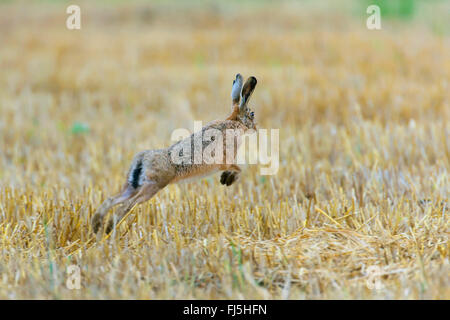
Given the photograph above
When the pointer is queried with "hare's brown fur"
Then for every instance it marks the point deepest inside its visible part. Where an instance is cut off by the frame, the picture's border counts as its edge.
(152, 170)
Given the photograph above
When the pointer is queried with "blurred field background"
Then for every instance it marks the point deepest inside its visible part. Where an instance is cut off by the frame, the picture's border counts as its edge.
(364, 150)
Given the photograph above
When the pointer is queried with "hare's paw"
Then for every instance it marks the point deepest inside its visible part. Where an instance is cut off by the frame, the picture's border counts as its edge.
(228, 177)
(109, 226)
(96, 222)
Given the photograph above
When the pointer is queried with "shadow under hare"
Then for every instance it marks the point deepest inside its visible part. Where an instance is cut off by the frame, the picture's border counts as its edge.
(152, 170)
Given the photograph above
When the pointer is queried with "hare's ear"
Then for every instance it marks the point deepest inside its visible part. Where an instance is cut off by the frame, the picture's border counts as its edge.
(236, 89)
(247, 91)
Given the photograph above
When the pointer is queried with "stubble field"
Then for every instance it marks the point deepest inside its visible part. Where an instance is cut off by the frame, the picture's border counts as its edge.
(360, 197)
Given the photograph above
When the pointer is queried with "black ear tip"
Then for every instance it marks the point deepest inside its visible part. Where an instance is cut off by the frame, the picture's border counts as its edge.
(254, 81)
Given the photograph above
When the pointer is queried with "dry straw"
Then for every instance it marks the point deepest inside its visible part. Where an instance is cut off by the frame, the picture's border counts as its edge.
(363, 179)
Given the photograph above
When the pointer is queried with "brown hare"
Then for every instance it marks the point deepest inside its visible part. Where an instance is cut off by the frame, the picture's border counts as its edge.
(152, 170)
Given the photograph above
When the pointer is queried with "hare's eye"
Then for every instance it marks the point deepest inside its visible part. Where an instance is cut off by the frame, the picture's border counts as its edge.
(252, 114)
(213, 138)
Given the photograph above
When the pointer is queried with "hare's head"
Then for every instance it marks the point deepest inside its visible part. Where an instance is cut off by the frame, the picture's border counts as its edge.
(240, 96)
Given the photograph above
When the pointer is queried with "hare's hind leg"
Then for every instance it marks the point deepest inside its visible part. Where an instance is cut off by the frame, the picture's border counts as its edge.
(231, 175)
(145, 193)
(97, 219)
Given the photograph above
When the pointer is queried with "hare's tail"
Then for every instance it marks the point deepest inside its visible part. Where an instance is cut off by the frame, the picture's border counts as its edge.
(135, 175)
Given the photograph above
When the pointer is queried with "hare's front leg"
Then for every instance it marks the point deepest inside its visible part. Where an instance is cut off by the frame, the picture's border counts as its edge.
(231, 175)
